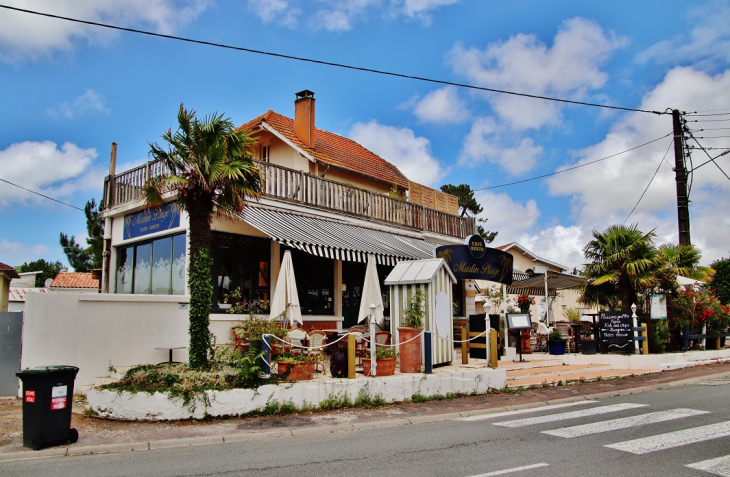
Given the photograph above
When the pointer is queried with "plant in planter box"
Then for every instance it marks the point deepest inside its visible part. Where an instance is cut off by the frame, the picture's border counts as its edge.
(296, 367)
(248, 333)
(524, 301)
(556, 343)
(409, 343)
(385, 357)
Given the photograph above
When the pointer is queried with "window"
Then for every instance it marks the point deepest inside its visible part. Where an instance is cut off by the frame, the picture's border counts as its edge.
(265, 151)
(315, 277)
(154, 267)
(239, 263)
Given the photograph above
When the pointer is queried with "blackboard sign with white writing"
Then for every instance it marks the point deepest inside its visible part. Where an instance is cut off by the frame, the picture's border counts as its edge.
(616, 331)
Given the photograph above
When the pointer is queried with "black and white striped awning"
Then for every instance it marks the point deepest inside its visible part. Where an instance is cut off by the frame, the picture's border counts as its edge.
(335, 239)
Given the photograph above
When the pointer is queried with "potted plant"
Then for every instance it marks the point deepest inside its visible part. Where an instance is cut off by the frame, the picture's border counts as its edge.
(386, 358)
(296, 367)
(411, 326)
(556, 343)
(338, 359)
(524, 301)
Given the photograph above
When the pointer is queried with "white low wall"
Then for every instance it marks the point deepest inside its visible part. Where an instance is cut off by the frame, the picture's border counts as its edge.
(659, 362)
(93, 332)
(143, 406)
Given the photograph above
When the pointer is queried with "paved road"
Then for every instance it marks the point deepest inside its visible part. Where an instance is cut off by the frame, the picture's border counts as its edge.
(669, 432)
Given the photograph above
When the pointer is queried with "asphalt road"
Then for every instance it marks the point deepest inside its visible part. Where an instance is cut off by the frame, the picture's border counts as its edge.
(652, 433)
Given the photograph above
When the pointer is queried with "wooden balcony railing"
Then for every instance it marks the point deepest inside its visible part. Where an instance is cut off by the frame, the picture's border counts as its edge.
(303, 188)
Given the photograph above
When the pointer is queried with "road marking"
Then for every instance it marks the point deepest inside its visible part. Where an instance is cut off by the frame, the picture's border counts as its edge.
(524, 411)
(673, 439)
(715, 382)
(531, 421)
(623, 423)
(512, 470)
(719, 466)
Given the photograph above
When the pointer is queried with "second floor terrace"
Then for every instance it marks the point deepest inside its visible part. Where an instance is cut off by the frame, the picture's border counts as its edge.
(302, 188)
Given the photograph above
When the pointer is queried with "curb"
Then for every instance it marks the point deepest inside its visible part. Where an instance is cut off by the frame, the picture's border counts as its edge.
(312, 431)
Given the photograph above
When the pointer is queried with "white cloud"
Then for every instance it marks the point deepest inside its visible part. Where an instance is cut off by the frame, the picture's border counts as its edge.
(44, 168)
(16, 253)
(506, 216)
(568, 69)
(28, 36)
(401, 147)
(88, 103)
(419, 9)
(487, 141)
(559, 244)
(275, 11)
(604, 193)
(706, 44)
(442, 106)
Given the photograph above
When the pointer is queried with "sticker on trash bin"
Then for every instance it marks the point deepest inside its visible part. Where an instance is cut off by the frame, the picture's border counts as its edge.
(59, 391)
(58, 403)
(30, 396)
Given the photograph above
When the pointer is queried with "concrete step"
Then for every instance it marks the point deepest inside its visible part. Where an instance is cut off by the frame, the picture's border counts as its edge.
(567, 374)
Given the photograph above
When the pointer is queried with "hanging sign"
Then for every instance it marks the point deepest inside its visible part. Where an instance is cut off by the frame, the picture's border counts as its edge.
(616, 331)
(658, 307)
(476, 261)
(153, 220)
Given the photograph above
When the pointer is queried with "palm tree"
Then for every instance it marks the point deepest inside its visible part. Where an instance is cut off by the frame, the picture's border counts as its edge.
(211, 170)
(684, 260)
(622, 262)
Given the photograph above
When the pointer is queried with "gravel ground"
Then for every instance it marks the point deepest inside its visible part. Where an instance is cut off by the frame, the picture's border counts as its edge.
(96, 431)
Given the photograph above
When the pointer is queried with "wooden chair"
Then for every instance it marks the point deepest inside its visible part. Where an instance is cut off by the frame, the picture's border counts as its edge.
(382, 337)
(566, 334)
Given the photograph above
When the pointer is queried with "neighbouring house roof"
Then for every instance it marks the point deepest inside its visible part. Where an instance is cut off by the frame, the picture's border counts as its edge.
(8, 270)
(524, 251)
(74, 280)
(333, 150)
(19, 293)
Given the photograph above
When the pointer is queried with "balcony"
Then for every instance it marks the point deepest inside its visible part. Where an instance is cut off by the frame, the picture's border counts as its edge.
(302, 188)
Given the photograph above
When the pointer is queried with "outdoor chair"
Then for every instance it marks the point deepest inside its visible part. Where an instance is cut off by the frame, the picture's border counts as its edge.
(317, 339)
(382, 337)
(565, 333)
(296, 338)
(542, 336)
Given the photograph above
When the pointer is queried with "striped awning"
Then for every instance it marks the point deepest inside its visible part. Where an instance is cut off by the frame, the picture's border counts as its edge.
(535, 285)
(335, 239)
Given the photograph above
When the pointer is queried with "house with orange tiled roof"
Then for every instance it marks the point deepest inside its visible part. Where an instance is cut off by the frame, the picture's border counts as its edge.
(328, 200)
(75, 282)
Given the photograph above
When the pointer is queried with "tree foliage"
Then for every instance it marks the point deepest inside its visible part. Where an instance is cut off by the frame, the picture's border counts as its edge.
(469, 204)
(210, 171)
(47, 269)
(721, 280)
(89, 258)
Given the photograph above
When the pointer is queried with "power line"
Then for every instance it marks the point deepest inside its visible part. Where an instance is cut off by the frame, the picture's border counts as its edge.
(650, 181)
(707, 115)
(44, 196)
(708, 155)
(328, 63)
(574, 167)
(712, 159)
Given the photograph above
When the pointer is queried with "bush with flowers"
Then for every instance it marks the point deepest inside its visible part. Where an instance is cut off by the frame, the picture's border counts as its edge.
(697, 309)
(524, 301)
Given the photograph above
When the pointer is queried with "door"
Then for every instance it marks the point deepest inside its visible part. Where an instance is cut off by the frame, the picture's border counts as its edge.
(11, 335)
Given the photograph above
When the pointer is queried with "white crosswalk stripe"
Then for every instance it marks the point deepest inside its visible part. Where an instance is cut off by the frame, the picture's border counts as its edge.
(623, 423)
(531, 421)
(718, 466)
(498, 415)
(673, 439)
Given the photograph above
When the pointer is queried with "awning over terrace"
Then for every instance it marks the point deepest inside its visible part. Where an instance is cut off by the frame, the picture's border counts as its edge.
(336, 239)
(535, 285)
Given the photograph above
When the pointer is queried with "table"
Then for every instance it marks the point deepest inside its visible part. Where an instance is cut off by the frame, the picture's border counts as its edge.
(170, 348)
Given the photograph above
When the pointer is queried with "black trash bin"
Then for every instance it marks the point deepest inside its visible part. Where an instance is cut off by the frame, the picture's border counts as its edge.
(47, 402)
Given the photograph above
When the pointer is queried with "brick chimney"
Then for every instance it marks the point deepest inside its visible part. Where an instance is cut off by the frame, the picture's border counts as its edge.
(304, 117)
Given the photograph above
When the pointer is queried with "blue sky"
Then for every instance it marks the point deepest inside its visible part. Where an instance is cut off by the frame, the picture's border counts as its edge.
(69, 90)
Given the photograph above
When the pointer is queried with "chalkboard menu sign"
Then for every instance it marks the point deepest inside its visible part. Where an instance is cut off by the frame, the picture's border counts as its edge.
(616, 331)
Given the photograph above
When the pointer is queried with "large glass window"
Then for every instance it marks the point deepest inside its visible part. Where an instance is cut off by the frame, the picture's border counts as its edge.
(353, 277)
(315, 278)
(240, 263)
(154, 267)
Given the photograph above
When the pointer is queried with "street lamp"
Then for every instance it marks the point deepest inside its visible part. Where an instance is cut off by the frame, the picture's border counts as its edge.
(633, 320)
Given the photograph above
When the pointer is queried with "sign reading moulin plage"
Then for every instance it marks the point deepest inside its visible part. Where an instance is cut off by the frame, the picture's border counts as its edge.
(616, 331)
(476, 261)
(149, 221)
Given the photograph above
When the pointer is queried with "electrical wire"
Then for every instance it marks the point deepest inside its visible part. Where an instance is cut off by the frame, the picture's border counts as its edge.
(650, 181)
(328, 63)
(694, 115)
(44, 196)
(574, 167)
(711, 158)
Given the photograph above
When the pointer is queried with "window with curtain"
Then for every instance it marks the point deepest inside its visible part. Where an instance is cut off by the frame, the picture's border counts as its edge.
(154, 267)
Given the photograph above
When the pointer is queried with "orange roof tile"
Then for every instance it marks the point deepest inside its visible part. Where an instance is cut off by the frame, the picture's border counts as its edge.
(334, 150)
(74, 280)
(19, 293)
(10, 270)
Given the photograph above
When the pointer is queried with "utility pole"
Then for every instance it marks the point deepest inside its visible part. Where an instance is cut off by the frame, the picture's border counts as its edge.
(680, 175)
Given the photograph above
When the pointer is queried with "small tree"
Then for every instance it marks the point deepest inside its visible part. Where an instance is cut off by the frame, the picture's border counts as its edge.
(721, 280)
(468, 203)
(47, 269)
(89, 258)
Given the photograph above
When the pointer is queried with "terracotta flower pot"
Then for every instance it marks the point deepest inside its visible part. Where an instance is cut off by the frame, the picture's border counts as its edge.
(410, 352)
(295, 371)
(386, 366)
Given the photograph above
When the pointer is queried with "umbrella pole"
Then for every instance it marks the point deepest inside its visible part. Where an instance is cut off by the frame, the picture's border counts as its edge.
(547, 302)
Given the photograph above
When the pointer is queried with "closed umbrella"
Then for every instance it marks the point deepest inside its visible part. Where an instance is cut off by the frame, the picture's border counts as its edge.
(371, 293)
(286, 298)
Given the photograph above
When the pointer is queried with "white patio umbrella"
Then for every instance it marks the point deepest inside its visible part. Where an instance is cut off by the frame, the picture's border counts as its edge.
(286, 299)
(371, 293)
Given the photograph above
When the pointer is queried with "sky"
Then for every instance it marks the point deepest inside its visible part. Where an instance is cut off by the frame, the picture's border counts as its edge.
(69, 90)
